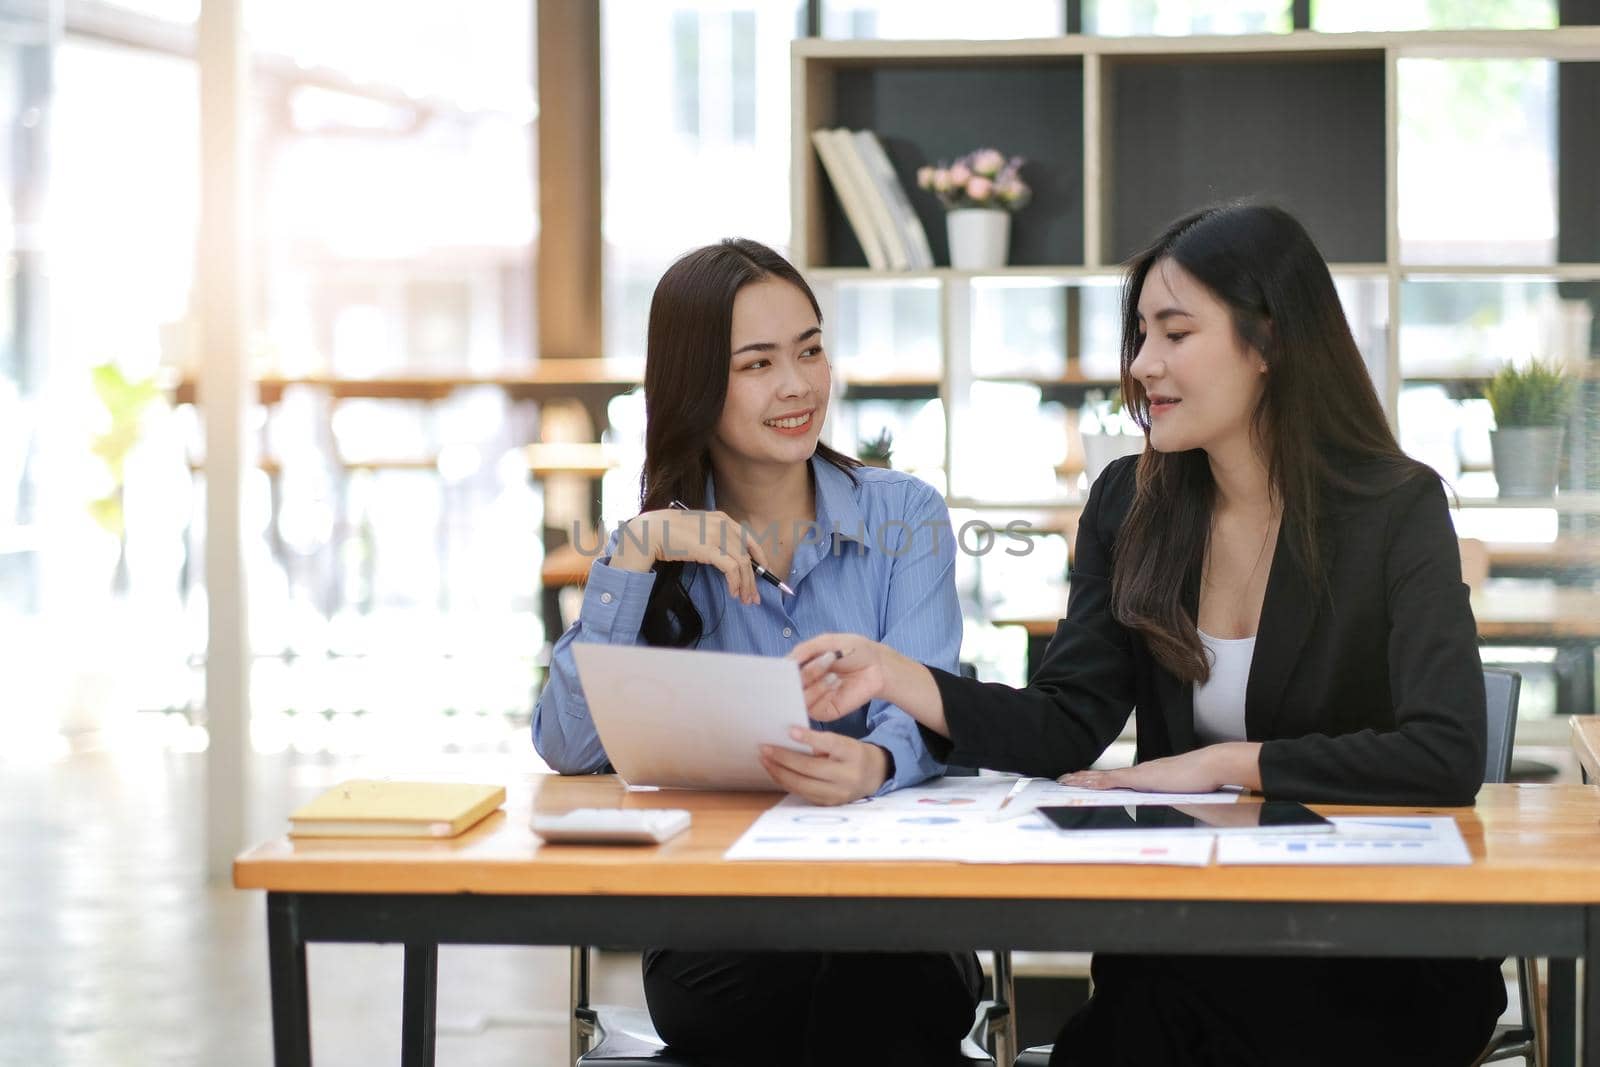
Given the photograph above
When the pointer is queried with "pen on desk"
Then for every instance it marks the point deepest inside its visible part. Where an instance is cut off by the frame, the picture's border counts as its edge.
(761, 572)
(1006, 811)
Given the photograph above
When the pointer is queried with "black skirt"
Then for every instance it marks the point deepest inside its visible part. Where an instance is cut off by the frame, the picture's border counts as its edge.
(1241, 1011)
(814, 1009)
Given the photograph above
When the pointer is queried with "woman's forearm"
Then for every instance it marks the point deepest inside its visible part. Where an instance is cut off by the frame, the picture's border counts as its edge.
(910, 686)
(1237, 763)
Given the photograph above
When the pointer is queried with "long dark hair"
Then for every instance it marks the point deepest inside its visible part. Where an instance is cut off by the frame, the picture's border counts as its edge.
(1318, 421)
(688, 351)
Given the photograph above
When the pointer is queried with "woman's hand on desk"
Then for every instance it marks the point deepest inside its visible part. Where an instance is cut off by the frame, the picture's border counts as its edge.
(841, 769)
(1202, 770)
(841, 672)
(708, 537)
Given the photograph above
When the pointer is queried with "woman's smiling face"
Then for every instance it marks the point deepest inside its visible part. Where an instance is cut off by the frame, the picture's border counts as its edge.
(778, 378)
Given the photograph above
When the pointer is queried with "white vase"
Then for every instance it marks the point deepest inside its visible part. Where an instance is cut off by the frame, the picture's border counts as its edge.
(979, 237)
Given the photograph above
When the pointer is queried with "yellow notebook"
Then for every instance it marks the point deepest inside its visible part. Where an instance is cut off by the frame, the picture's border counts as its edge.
(366, 808)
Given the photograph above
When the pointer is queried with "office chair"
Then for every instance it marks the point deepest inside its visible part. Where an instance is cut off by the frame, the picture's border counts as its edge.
(624, 1037)
(1502, 689)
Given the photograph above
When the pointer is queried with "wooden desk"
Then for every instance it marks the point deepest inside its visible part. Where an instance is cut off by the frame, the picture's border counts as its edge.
(1505, 611)
(565, 566)
(1516, 611)
(1563, 559)
(1533, 890)
(582, 458)
(533, 383)
(1565, 618)
(592, 382)
(1586, 744)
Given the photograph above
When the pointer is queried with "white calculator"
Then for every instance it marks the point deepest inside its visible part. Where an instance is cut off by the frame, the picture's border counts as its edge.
(612, 826)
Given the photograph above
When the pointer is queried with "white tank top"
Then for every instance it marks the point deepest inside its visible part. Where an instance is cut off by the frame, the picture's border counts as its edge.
(1219, 702)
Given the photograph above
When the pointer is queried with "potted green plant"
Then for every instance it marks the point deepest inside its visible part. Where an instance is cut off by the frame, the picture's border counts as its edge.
(1530, 406)
(125, 401)
(876, 451)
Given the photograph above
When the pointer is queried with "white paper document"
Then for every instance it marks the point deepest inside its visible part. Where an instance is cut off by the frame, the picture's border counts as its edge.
(1047, 792)
(948, 820)
(1388, 840)
(1034, 839)
(696, 720)
(961, 796)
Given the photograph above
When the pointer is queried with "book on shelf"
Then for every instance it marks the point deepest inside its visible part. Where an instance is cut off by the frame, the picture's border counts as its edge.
(836, 149)
(378, 808)
(901, 216)
(872, 195)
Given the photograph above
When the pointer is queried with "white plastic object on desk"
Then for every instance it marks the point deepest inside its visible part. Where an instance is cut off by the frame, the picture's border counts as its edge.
(611, 826)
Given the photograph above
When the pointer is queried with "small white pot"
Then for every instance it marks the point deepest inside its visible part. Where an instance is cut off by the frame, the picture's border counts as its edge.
(979, 237)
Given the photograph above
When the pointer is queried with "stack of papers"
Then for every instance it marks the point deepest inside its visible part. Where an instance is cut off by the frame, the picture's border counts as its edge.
(960, 820)
(993, 820)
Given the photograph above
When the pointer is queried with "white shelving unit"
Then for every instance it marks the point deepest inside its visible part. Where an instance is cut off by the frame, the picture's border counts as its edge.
(904, 90)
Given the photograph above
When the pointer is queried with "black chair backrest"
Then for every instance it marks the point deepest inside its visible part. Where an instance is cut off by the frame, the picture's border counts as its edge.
(1501, 690)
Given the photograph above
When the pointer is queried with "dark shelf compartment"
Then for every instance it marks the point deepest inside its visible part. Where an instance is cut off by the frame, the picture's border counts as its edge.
(1304, 132)
(928, 112)
(905, 390)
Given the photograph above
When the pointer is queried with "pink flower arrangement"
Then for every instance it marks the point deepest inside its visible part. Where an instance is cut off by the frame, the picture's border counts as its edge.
(981, 178)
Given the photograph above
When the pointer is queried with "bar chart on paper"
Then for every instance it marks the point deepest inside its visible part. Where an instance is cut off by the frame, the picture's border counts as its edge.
(1356, 840)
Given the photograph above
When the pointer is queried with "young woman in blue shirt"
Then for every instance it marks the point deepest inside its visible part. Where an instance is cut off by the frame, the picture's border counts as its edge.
(737, 383)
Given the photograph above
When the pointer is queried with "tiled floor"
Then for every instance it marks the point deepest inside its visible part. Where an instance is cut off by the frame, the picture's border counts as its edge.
(113, 950)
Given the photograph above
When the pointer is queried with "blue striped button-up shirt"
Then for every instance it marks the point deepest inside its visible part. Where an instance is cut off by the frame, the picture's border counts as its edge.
(879, 562)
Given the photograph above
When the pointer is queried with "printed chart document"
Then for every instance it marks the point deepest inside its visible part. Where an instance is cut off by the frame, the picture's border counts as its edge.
(693, 720)
(979, 793)
(953, 820)
(992, 819)
(1397, 840)
(1047, 792)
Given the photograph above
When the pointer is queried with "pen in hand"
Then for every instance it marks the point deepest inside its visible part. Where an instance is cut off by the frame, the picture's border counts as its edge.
(761, 572)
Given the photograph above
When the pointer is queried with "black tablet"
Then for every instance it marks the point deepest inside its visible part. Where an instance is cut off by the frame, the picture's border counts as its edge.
(1272, 816)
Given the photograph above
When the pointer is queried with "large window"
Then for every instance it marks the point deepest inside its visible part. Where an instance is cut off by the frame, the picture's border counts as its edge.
(1350, 16)
(1180, 17)
(934, 19)
(397, 185)
(1476, 132)
(394, 216)
(695, 123)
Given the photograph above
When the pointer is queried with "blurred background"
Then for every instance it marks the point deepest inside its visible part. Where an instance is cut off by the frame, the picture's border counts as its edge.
(392, 516)
(455, 214)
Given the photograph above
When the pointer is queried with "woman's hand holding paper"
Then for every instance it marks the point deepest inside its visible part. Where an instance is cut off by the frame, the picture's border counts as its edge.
(839, 770)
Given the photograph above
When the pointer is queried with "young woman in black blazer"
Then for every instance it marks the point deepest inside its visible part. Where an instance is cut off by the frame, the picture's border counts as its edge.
(1277, 589)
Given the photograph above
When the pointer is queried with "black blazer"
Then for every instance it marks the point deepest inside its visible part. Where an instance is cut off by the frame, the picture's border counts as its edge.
(1374, 696)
